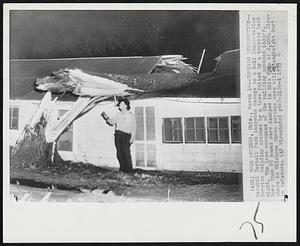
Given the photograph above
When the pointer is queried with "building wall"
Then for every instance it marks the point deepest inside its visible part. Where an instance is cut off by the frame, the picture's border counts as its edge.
(93, 139)
(198, 156)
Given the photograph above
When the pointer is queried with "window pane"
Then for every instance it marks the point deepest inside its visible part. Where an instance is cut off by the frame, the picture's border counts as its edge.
(65, 141)
(223, 136)
(200, 122)
(177, 130)
(236, 136)
(13, 118)
(15, 112)
(223, 123)
(190, 135)
(236, 129)
(200, 135)
(236, 121)
(168, 137)
(150, 123)
(14, 124)
(177, 135)
(151, 155)
(139, 116)
(177, 123)
(235, 124)
(172, 130)
(212, 122)
(212, 135)
(189, 123)
(139, 155)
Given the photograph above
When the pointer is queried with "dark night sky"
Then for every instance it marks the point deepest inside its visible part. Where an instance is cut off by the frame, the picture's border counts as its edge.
(57, 34)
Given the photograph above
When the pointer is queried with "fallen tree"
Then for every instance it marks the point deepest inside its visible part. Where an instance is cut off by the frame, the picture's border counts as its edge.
(36, 146)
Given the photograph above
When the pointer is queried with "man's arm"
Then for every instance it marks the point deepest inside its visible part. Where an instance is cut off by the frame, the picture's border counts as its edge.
(110, 121)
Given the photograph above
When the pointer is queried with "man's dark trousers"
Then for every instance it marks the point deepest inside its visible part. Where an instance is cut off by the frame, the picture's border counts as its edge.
(122, 142)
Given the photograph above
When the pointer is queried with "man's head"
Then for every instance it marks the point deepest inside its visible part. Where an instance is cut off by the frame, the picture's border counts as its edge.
(123, 103)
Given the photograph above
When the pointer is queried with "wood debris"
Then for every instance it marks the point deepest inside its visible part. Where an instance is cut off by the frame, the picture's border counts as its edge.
(84, 84)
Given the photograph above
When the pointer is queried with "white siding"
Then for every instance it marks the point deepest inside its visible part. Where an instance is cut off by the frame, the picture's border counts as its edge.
(93, 139)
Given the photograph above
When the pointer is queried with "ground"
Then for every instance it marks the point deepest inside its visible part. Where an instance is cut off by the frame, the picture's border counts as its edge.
(84, 182)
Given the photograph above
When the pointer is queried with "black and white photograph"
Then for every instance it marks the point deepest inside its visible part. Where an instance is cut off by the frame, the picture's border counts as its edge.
(125, 106)
(149, 122)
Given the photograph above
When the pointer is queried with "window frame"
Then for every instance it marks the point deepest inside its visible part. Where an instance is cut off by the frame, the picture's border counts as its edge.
(218, 130)
(163, 130)
(240, 128)
(195, 129)
(11, 117)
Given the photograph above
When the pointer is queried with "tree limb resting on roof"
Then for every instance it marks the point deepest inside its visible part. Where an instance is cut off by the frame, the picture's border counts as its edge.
(41, 133)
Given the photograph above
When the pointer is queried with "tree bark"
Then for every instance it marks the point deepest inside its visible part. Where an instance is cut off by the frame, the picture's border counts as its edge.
(32, 149)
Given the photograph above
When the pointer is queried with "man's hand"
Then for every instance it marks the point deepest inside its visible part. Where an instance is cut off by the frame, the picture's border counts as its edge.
(110, 121)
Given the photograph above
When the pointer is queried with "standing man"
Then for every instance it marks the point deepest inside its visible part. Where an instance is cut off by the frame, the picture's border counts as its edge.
(125, 128)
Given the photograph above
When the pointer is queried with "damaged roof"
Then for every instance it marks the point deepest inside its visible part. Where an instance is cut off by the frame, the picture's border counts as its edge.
(223, 81)
(24, 72)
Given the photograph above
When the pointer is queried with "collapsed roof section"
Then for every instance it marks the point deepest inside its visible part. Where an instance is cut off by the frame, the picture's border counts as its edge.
(24, 72)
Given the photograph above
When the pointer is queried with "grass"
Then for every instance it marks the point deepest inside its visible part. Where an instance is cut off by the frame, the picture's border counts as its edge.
(141, 183)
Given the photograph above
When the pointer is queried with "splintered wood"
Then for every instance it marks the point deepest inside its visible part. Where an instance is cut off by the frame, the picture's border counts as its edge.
(83, 84)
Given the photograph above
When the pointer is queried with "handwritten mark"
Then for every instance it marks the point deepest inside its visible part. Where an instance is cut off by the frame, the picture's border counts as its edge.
(255, 220)
(254, 232)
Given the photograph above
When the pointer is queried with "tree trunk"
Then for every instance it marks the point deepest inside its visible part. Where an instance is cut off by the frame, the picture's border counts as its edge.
(32, 149)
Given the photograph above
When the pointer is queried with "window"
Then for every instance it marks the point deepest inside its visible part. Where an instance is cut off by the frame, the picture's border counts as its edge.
(139, 117)
(145, 130)
(139, 155)
(194, 130)
(236, 136)
(218, 131)
(14, 118)
(150, 124)
(145, 149)
(151, 155)
(65, 141)
(172, 130)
